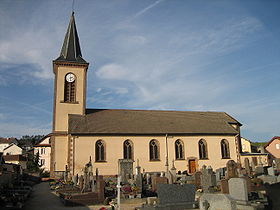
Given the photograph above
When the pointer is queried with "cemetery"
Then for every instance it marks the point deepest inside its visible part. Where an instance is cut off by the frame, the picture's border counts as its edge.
(231, 187)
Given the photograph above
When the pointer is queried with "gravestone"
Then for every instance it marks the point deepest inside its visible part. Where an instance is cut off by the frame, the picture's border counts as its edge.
(220, 173)
(208, 179)
(148, 179)
(231, 169)
(125, 169)
(268, 179)
(187, 180)
(138, 178)
(238, 189)
(224, 186)
(176, 195)
(197, 179)
(158, 180)
(172, 174)
(100, 185)
(259, 170)
(249, 183)
(75, 179)
(81, 182)
(270, 171)
(216, 202)
(247, 166)
(273, 192)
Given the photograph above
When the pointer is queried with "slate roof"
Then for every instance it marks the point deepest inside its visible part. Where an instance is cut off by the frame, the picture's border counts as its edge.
(71, 51)
(143, 122)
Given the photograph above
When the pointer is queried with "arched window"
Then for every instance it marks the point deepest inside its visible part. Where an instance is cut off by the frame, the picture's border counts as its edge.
(127, 150)
(154, 150)
(225, 149)
(179, 150)
(202, 148)
(99, 151)
(70, 88)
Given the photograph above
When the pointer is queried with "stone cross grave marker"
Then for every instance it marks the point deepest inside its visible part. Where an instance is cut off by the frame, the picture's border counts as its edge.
(208, 179)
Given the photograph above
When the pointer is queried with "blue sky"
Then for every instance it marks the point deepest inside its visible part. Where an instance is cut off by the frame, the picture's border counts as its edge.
(151, 54)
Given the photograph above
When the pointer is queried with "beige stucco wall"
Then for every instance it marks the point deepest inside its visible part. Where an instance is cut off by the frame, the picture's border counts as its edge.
(84, 147)
(60, 152)
(261, 158)
(274, 148)
(63, 109)
(246, 145)
(44, 154)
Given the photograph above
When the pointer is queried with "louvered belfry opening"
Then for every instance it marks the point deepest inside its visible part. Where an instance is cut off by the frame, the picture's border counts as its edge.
(70, 92)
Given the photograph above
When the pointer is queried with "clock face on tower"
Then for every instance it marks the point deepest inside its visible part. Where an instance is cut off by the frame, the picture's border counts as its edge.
(70, 77)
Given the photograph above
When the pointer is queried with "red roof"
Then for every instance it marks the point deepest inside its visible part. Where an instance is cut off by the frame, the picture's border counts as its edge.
(6, 140)
(268, 143)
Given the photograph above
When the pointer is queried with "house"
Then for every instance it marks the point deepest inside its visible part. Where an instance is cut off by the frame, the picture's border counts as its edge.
(154, 138)
(13, 149)
(246, 145)
(5, 142)
(251, 155)
(273, 147)
(43, 147)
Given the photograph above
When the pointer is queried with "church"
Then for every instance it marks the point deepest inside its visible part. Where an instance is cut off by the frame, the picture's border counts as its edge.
(157, 140)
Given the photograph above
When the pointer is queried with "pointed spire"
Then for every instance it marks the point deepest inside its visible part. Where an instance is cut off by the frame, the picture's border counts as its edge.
(71, 50)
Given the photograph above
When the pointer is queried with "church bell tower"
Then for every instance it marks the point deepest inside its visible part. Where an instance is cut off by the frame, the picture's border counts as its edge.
(70, 71)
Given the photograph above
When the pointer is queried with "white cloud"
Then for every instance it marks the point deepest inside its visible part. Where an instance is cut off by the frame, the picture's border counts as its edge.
(146, 9)
(112, 71)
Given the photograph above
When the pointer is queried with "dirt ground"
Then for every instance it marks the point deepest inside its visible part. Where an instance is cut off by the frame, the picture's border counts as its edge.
(44, 199)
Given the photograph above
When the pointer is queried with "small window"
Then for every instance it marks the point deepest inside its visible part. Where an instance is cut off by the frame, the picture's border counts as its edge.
(99, 151)
(42, 151)
(225, 149)
(127, 150)
(42, 162)
(154, 150)
(202, 148)
(277, 146)
(179, 150)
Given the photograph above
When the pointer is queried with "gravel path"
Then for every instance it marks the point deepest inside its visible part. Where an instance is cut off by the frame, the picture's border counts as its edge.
(43, 198)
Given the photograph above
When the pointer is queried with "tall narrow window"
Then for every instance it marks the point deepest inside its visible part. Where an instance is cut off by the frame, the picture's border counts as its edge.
(70, 88)
(225, 149)
(99, 151)
(202, 148)
(154, 150)
(127, 150)
(179, 150)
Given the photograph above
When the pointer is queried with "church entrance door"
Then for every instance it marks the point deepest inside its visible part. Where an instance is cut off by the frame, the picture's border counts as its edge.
(192, 167)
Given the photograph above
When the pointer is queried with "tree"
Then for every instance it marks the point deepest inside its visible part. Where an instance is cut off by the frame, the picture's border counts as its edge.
(33, 163)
